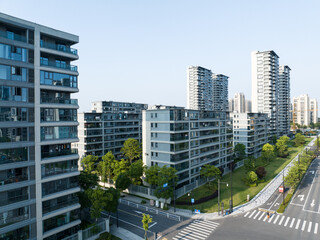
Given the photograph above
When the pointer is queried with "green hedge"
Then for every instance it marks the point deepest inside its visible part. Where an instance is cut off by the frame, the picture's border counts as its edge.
(286, 202)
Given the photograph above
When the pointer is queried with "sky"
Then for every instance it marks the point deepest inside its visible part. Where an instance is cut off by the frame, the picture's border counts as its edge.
(139, 50)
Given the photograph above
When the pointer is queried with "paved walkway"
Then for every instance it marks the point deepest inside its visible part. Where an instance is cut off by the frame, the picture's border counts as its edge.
(257, 201)
(123, 233)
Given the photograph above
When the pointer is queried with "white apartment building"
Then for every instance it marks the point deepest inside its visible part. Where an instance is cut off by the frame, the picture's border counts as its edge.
(239, 103)
(305, 110)
(284, 100)
(230, 105)
(186, 140)
(220, 92)
(248, 106)
(265, 78)
(251, 130)
(313, 110)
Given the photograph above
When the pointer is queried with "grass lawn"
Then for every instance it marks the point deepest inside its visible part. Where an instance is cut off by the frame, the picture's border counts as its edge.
(239, 189)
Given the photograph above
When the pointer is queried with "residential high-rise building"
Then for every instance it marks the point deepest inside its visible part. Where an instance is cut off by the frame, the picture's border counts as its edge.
(284, 100)
(301, 110)
(265, 78)
(107, 126)
(38, 119)
(248, 106)
(230, 105)
(206, 91)
(186, 140)
(199, 88)
(313, 111)
(251, 130)
(239, 103)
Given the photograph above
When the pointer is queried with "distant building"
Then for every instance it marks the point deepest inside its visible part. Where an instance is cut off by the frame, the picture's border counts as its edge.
(230, 105)
(107, 126)
(251, 130)
(239, 103)
(313, 110)
(301, 110)
(186, 140)
(248, 106)
(220, 92)
(284, 100)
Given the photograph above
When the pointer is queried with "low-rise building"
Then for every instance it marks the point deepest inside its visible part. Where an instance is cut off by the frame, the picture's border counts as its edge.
(186, 140)
(251, 130)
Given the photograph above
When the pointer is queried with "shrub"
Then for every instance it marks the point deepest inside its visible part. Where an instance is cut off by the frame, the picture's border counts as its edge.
(252, 177)
(261, 172)
(143, 201)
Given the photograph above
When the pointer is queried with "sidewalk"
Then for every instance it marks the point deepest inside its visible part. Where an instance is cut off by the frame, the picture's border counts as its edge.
(257, 201)
(123, 233)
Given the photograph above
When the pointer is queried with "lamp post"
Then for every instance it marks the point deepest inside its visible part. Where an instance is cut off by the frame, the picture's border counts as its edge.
(283, 186)
(174, 195)
(231, 201)
(192, 199)
(219, 194)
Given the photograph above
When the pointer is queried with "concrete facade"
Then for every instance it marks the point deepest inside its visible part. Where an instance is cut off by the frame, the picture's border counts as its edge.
(38, 124)
(284, 100)
(220, 92)
(239, 103)
(313, 110)
(186, 140)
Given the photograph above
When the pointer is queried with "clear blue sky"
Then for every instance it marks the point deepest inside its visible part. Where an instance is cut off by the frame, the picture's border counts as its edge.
(139, 50)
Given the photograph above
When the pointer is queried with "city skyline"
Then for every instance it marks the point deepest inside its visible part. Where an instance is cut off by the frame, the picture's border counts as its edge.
(153, 38)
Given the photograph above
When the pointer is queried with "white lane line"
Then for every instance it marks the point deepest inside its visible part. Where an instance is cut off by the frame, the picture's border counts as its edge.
(292, 222)
(271, 218)
(252, 213)
(246, 214)
(197, 229)
(152, 224)
(309, 227)
(201, 225)
(196, 233)
(316, 228)
(309, 191)
(207, 222)
(274, 201)
(261, 216)
(303, 225)
(286, 223)
(192, 234)
(257, 215)
(187, 237)
(298, 223)
(275, 221)
(281, 220)
(265, 218)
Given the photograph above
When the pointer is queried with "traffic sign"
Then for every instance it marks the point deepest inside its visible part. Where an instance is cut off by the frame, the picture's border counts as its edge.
(197, 211)
(165, 185)
(281, 189)
(192, 200)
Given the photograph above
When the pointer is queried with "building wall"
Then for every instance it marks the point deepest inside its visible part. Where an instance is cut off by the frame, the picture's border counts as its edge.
(284, 100)
(239, 103)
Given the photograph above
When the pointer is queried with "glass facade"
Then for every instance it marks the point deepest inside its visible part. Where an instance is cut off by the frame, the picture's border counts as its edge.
(13, 155)
(13, 134)
(60, 220)
(18, 94)
(13, 73)
(58, 203)
(59, 185)
(13, 175)
(57, 114)
(13, 114)
(56, 150)
(13, 196)
(13, 53)
(51, 169)
(58, 79)
(13, 216)
(52, 133)
(21, 233)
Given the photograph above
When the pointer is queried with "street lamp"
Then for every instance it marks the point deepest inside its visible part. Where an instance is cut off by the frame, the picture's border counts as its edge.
(219, 194)
(192, 199)
(231, 201)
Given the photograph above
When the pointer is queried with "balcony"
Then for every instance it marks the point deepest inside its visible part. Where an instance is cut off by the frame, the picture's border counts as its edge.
(14, 179)
(13, 36)
(45, 62)
(59, 47)
(58, 101)
(15, 199)
(60, 153)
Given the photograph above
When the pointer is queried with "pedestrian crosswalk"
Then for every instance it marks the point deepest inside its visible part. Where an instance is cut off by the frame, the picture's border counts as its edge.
(281, 220)
(197, 230)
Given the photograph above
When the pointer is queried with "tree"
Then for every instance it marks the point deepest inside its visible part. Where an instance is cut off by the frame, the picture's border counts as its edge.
(267, 154)
(120, 167)
(239, 151)
(252, 177)
(299, 139)
(152, 175)
(99, 200)
(106, 166)
(136, 172)
(261, 172)
(88, 180)
(131, 149)
(146, 220)
(282, 146)
(88, 163)
(274, 139)
(210, 171)
(250, 164)
(123, 181)
(167, 175)
(112, 205)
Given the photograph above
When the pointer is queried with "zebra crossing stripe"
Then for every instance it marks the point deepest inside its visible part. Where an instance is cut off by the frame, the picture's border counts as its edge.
(193, 228)
(187, 237)
(246, 214)
(283, 217)
(261, 216)
(292, 222)
(275, 221)
(298, 223)
(286, 223)
(316, 228)
(256, 215)
(265, 218)
(309, 227)
(303, 225)
(195, 233)
(252, 213)
(271, 218)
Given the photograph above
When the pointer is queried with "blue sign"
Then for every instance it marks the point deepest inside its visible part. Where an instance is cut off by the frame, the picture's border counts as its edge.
(165, 185)
(192, 200)
(197, 211)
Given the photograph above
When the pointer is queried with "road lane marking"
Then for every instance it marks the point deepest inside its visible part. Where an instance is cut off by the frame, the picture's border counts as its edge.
(316, 228)
(274, 201)
(197, 229)
(214, 224)
(300, 205)
(271, 218)
(309, 191)
(257, 215)
(196, 233)
(292, 222)
(246, 214)
(298, 223)
(275, 221)
(261, 216)
(203, 225)
(281, 220)
(252, 213)
(200, 231)
(286, 223)
(265, 218)
(309, 227)
(312, 203)
(303, 225)
(190, 234)
(187, 237)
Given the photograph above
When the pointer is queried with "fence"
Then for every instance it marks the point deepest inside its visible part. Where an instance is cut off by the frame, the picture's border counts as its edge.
(151, 210)
(90, 233)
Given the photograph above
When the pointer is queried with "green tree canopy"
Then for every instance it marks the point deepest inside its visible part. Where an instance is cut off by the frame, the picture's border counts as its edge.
(252, 177)
(240, 151)
(89, 163)
(112, 205)
(299, 139)
(99, 200)
(250, 164)
(120, 167)
(146, 220)
(152, 175)
(106, 166)
(267, 154)
(132, 149)
(210, 171)
(282, 146)
(136, 171)
(123, 181)
(88, 180)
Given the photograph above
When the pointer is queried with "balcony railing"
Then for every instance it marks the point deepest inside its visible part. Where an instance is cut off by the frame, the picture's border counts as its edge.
(67, 203)
(59, 47)
(13, 179)
(59, 101)
(60, 153)
(13, 36)
(15, 199)
(44, 62)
